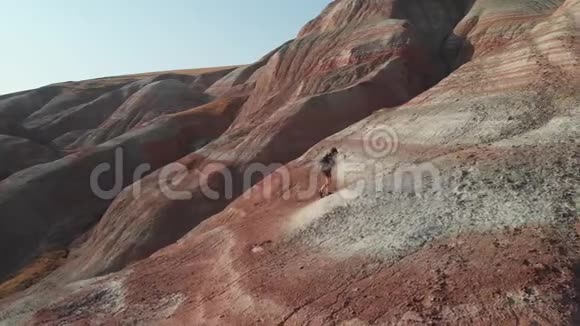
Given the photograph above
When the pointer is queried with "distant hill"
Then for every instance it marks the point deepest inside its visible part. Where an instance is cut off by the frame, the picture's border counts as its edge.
(192, 196)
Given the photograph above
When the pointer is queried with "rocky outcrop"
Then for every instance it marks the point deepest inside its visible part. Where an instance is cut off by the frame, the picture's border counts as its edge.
(455, 193)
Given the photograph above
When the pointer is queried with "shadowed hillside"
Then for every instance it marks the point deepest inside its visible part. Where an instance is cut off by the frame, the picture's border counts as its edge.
(455, 198)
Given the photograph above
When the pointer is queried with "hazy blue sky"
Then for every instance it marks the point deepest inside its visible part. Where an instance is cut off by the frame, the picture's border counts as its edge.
(43, 42)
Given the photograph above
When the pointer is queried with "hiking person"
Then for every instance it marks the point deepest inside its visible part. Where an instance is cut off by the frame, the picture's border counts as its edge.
(327, 163)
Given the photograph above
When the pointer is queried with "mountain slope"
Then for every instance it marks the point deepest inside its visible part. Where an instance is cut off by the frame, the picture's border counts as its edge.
(457, 124)
(65, 202)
